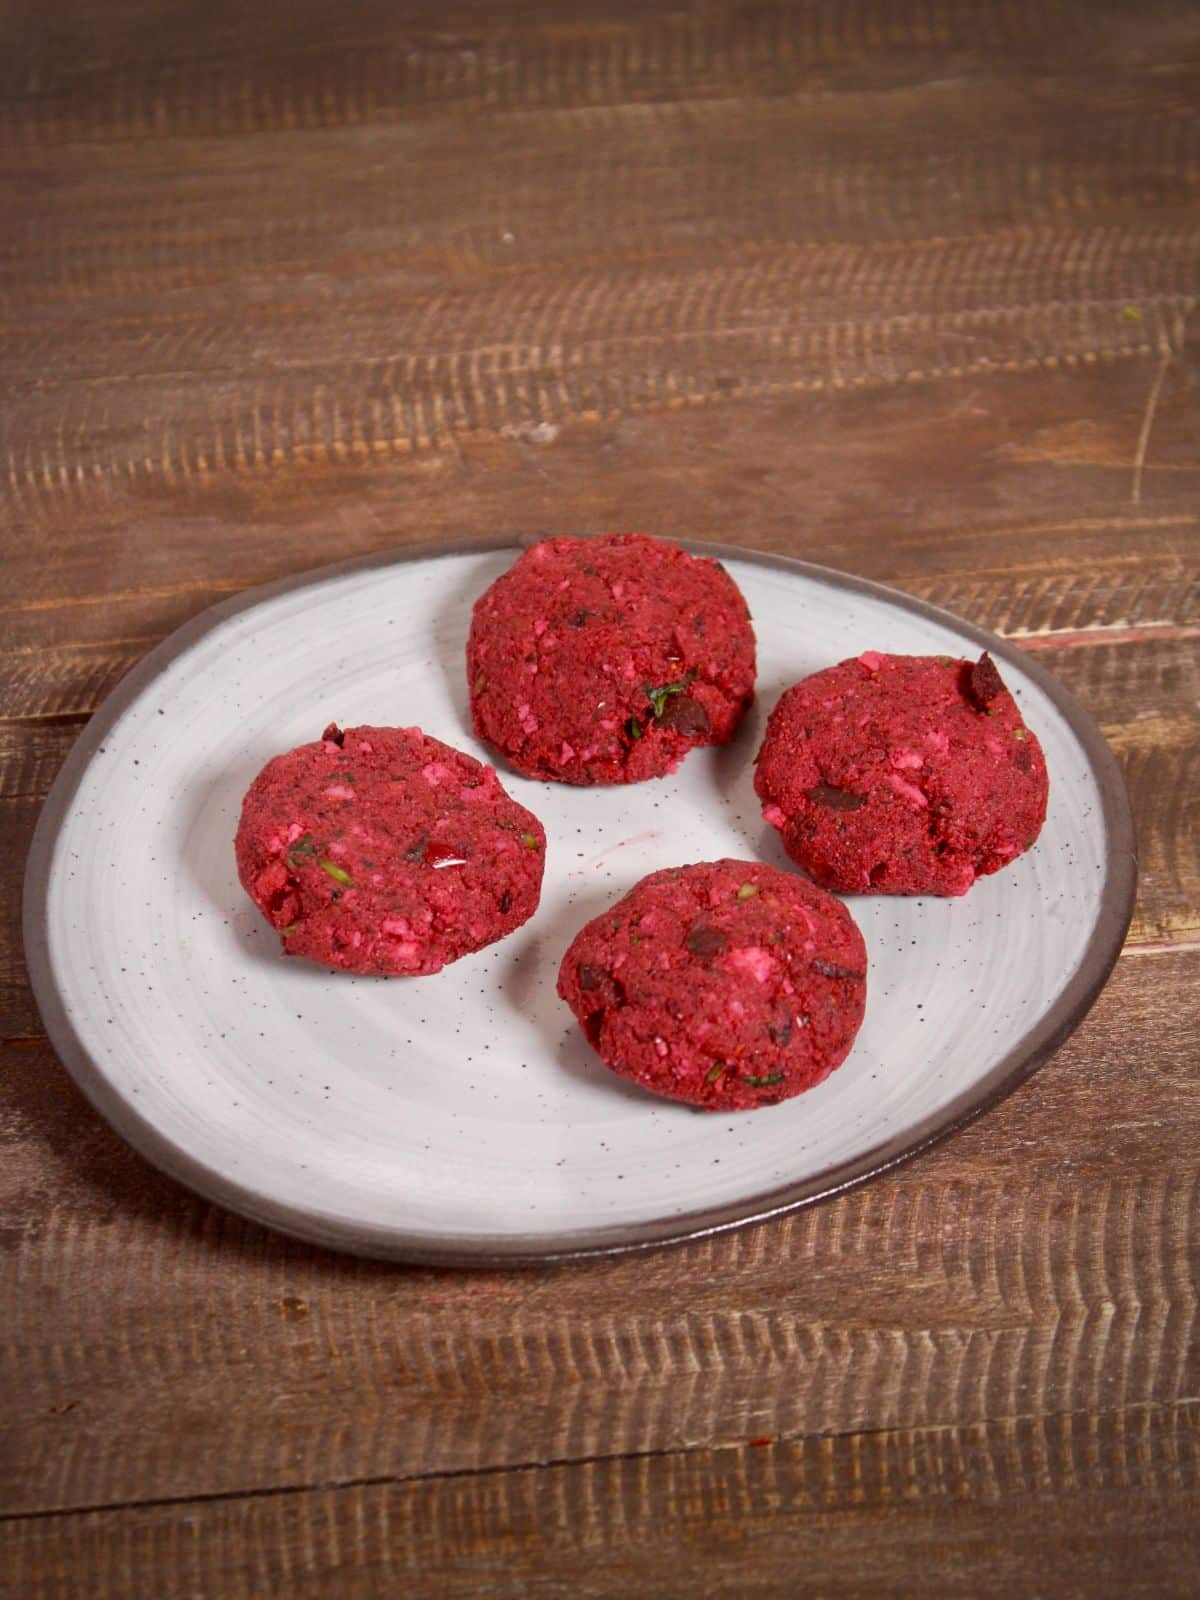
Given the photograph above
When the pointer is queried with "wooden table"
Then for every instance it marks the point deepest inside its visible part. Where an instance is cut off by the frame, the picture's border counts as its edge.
(905, 288)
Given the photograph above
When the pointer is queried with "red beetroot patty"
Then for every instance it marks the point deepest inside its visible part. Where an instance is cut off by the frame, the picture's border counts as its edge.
(382, 850)
(728, 985)
(606, 660)
(902, 774)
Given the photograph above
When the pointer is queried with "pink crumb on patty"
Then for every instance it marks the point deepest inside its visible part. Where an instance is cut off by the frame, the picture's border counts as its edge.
(757, 963)
(908, 790)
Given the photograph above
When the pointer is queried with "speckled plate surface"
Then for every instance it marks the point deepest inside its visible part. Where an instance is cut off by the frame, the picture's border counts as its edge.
(462, 1118)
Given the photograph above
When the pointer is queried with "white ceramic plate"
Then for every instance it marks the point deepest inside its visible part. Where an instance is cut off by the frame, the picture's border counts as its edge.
(463, 1118)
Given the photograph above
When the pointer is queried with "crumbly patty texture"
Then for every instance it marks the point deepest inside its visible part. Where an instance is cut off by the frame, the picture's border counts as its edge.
(902, 775)
(728, 985)
(606, 660)
(381, 850)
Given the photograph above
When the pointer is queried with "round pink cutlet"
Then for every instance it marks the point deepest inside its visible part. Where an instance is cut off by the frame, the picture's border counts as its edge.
(606, 660)
(902, 775)
(728, 984)
(381, 850)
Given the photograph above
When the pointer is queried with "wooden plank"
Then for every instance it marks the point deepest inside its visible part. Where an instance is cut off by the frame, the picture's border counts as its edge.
(75, 444)
(31, 754)
(1089, 1505)
(162, 333)
(62, 654)
(1143, 586)
(652, 259)
(149, 72)
(1043, 1260)
(1147, 697)
(18, 1013)
(978, 497)
(490, 200)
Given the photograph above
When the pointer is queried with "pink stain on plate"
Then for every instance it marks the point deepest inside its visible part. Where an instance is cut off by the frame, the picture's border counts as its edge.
(648, 837)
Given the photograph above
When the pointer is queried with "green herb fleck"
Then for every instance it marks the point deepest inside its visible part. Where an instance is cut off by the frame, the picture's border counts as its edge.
(336, 872)
(1131, 313)
(658, 697)
(747, 891)
(529, 840)
(1018, 733)
(291, 928)
(947, 661)
(762, 1082)
(714, 1072)
(303, 846)
(633, 728)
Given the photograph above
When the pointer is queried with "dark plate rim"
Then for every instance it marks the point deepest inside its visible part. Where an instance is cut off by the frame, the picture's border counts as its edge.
(388, 1243)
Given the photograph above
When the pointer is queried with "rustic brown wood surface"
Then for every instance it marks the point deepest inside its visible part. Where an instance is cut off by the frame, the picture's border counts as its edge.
(904, 286)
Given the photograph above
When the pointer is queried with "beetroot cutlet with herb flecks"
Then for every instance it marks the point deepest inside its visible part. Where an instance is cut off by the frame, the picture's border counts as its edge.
(728, 985)
(902, 774)
(605, 660)
(381, 850)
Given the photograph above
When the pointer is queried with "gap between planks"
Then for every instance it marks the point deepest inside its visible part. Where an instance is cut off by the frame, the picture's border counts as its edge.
(43, 719)
(1077, 638)
(553, 1463)
(1158, 947)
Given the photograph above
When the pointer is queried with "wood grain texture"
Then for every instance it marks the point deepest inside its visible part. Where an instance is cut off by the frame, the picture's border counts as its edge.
(1044, 1260)
(505, 270)
(139, 69)
(1026, 525)
(1086, 1506)
(907, 287)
